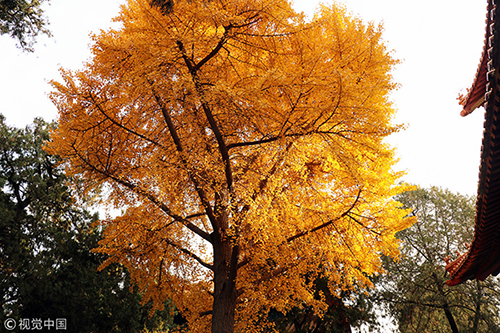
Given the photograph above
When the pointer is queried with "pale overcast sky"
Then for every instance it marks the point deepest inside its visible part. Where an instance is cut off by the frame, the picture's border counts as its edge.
(439, 41)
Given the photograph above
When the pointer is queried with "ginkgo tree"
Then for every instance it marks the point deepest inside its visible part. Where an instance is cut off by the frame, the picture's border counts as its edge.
(245, 146)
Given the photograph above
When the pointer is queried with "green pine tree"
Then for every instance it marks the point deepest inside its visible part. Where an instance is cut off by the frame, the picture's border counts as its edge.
(47, 268)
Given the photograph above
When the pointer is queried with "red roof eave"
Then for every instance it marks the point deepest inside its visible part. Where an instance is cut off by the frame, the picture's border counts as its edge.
(482, 257)
(475, 95)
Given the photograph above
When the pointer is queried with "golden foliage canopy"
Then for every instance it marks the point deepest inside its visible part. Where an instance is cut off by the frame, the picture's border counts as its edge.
(246, 144)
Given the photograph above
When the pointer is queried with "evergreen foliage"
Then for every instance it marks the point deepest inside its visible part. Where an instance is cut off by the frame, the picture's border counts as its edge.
(47, 268)
(23, 20)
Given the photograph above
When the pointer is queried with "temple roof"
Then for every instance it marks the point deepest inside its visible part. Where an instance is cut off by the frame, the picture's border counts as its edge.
(482, 257)
(475, 95)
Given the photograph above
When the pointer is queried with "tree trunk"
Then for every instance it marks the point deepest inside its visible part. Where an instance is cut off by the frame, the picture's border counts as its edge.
(477, 315)
(446, 307)
(225, 294)
(451, 320)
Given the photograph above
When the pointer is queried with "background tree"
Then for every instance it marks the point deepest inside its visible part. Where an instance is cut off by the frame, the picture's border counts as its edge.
(23, 20)
(46, 267)
(415, 292)
(246, 145)
(345, 311)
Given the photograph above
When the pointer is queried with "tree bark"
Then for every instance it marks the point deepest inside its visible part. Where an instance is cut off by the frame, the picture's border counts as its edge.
(451, 320)
(446, 307)
(225, 293)
(477, 315)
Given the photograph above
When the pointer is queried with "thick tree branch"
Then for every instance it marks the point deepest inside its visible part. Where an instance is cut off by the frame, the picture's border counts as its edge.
(264, 181)
(189, 253)
(206, 313)
(192, 216)
(270, 275)
(326, 224)
(136, 189)
(361, 224)
(406, 301)
(304, 233)
(141, 192)
(193, 70)
(446, 306)
(99, 107)
(216, 49)
(289, 135)
(175, 137)
(221, 143)
(223, 41)
(252, 143)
